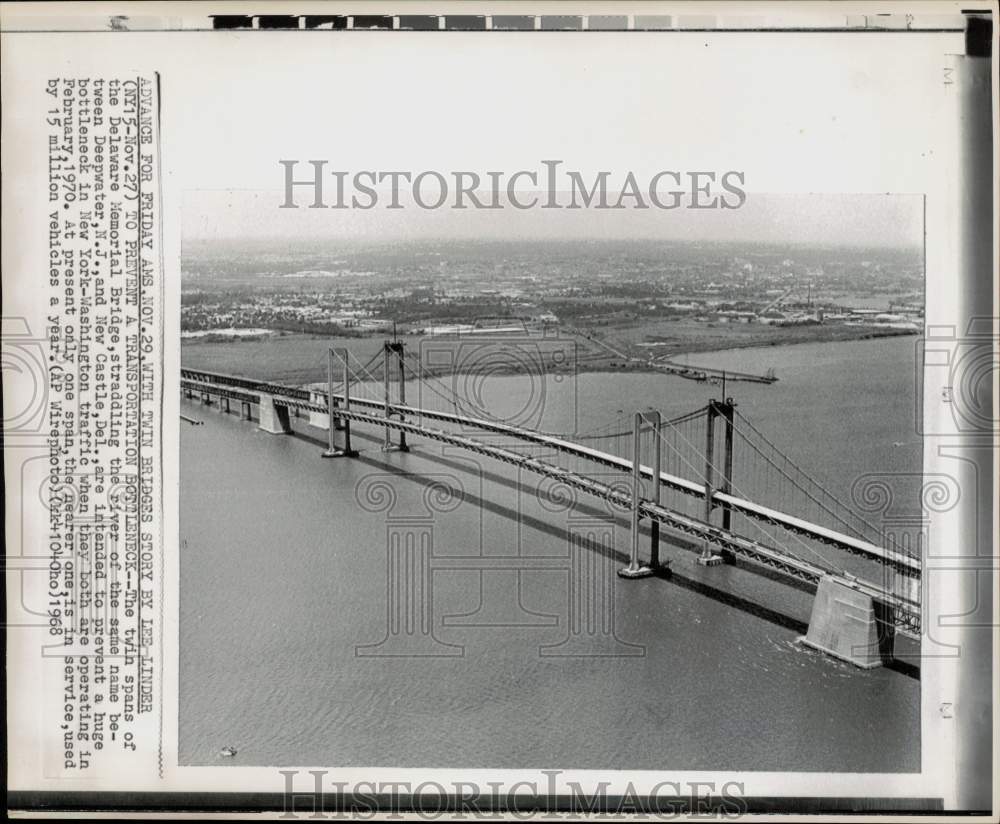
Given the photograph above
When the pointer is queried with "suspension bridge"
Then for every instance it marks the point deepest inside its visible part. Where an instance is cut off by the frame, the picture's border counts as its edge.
(710, 475)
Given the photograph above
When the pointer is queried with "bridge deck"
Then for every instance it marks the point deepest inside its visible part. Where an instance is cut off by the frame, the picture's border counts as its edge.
(908, 610)
(295, 397)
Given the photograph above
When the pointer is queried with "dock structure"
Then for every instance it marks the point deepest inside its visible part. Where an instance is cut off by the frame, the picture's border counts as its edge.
(703, 373)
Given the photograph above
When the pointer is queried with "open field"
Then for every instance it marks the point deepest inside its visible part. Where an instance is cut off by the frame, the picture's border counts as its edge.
(676, 337)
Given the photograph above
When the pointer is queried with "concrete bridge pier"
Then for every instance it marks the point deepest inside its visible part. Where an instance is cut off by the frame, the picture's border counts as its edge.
(206, 398)
(850, 625)
(320, 420)
(224, 405)
(245, 411)
(188, 393)
(274, 417)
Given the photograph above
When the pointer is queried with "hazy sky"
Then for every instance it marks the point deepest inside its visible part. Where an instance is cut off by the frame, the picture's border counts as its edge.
(853, 220)
(849, 119)
(817, 113)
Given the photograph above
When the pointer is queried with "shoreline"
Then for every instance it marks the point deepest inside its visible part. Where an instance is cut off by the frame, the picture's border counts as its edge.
(872, 334)
(235, 356)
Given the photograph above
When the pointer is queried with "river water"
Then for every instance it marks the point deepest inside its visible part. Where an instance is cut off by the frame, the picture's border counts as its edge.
(285, 586)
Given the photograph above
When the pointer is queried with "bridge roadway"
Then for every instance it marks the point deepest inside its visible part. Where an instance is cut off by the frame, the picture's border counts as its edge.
(907, 610)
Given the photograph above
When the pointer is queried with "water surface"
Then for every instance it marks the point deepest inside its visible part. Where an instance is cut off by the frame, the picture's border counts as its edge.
(284, 575)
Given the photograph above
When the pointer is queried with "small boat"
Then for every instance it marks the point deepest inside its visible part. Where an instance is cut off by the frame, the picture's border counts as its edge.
(227, 752)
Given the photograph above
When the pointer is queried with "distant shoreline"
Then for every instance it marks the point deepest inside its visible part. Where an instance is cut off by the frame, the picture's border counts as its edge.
(280, 358)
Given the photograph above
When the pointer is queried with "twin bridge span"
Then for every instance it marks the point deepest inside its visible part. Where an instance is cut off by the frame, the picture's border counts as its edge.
(854, 617)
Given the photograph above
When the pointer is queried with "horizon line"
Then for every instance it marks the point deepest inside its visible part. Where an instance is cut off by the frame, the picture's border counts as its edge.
(914, 245)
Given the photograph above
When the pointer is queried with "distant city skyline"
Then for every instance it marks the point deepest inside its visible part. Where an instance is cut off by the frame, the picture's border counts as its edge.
(861, 220)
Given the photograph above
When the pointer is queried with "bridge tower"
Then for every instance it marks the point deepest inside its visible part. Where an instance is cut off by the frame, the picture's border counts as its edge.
(337, 422)
(644, 420)
(724, 410)
(390, 348)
